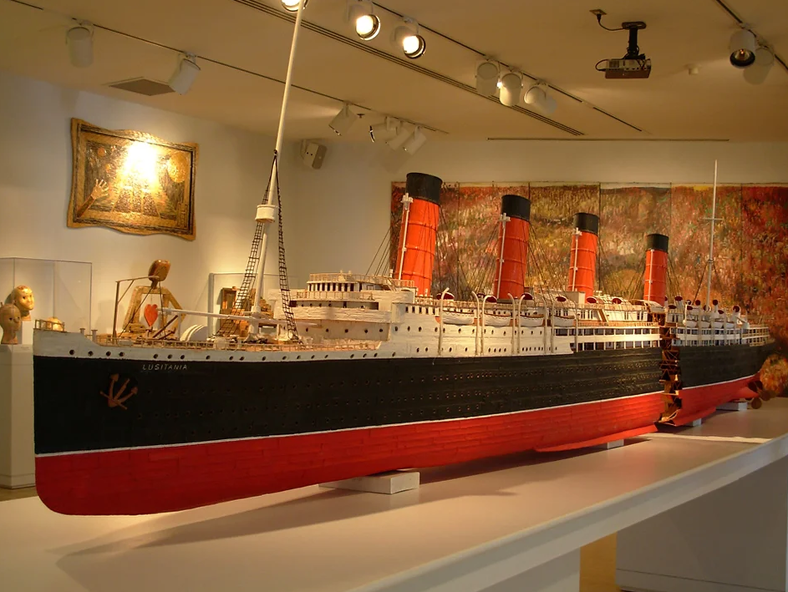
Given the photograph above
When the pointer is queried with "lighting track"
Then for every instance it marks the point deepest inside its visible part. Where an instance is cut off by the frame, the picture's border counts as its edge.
(740, 21)
(271, 11)
(232, 66)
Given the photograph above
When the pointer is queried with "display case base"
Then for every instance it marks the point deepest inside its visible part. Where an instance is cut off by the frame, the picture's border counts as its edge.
(387, 483)
(17, 460)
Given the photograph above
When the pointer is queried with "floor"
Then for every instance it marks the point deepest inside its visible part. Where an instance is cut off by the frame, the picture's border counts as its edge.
(597, 560)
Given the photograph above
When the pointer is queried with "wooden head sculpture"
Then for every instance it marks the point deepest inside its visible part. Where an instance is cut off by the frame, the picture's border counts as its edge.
(11, 322)
(22, 297)
(158, 272)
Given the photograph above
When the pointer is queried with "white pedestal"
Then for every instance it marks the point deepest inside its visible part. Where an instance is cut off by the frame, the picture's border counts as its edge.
(694, 423)
(609, 445)
(559, 575)
(734, 539)
(17, 463)
(388, 483)
(734, 406)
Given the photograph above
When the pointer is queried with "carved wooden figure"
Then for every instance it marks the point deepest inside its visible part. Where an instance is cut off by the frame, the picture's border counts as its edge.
(22, 297)
(11, 322)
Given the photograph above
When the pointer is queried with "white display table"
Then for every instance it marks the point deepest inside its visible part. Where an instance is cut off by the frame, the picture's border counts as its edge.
(514, 523)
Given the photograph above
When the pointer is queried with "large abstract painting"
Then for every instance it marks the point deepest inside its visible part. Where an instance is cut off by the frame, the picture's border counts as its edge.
(750, 239)
(131, 182)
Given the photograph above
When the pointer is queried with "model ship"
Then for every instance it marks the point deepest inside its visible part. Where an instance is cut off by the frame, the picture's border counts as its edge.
(362, 374)
(384, 375)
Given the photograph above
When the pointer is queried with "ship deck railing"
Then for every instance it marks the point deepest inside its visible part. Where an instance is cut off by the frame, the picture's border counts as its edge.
(235, 346)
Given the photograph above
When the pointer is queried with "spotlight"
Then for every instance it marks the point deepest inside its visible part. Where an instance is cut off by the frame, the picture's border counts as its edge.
(406, 37)
(511, 85)
(365, 21)
(415, 142)
(402, 136)
(343, 120)
(757, 73)
(384, 130)
(80, 46)
(537, 97)
(486, 78)
(292, 5)
(185, 73)
(742, 48)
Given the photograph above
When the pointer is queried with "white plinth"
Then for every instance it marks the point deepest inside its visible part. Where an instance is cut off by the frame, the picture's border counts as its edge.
(734, 539)
(388, 483)
(609, 445)
(694, 423)
(734, 406)
(17, 464)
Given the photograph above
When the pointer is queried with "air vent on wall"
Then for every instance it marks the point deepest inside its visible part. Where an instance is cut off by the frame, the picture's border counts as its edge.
(143, 86)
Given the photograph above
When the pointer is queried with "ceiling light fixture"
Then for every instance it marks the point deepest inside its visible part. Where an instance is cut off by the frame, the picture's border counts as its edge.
(292, 5)
(343, 120)
(185, 73)
(416, 141)
(402, 136)
(80, 45)
(487, 73)
(385, 130)
(757, 73)
(406, 38)
(538, 97)
(742, 47)
(511, 86)
(365, 22)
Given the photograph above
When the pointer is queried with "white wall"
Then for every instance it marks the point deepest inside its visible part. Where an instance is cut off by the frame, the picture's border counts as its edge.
(342, 210)
(35, 181)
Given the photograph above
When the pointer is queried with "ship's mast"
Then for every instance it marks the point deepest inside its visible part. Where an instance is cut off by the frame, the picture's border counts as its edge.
(711, 238)
(267, 209)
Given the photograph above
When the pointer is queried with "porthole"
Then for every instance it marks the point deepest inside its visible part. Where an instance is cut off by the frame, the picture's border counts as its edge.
(231, 357)
(313, 357)
(449, 349)
(346, 330)
(326, 330)
(155, 356)
(121, 354)
(182, 356)
(109, 354)
(71, 352)
(297, 358)
(395, 328)
(408, 327)
(241, 358)
(169, 356)
(263, 358)
(418, 350)
(426, 349)
(419, 329)
(380, 330)
(366, 330)
(375, 355)
(284, 357)
(209, 357)
(352, 355)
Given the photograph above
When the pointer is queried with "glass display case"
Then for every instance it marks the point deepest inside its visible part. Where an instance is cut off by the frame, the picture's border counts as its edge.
(61, 289)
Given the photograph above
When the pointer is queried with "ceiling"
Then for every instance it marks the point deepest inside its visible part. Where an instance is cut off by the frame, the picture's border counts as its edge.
(243, 48)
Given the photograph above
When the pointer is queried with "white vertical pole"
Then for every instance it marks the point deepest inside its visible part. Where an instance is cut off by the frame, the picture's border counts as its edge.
(278, 147)
(711, 239)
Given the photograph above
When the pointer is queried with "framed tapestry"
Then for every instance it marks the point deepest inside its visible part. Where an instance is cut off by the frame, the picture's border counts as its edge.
(131, 182)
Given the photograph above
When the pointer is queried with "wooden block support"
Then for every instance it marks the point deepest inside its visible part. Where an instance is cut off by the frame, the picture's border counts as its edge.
(387, 483)
(733, 406)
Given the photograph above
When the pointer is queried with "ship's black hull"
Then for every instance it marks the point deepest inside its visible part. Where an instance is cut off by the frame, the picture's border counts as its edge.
(700, 366)
(177, 403)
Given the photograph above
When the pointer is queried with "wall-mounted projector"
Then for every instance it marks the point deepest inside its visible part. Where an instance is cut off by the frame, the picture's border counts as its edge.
(634, 64)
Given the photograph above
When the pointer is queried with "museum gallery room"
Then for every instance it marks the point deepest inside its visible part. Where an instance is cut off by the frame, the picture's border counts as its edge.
(398, 296)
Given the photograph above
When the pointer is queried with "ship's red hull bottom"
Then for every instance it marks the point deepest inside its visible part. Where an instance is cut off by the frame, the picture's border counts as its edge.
(701, 401)
(170, 478)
